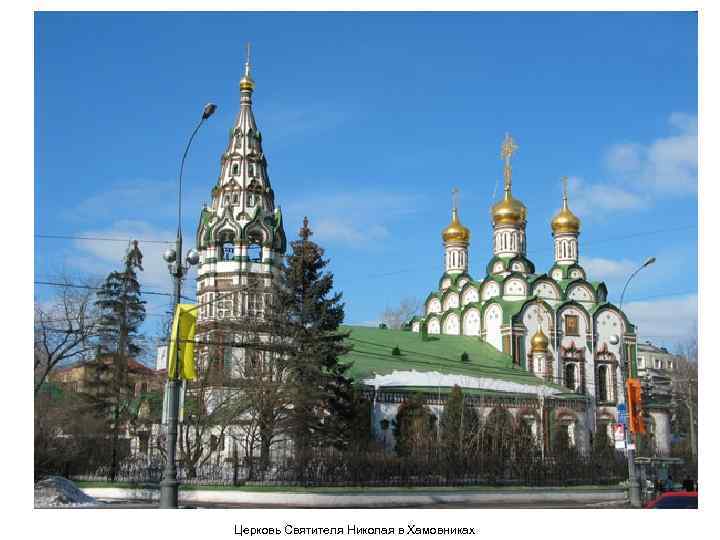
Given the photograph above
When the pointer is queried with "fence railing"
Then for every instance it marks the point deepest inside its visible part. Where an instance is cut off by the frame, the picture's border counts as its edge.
(380, 470)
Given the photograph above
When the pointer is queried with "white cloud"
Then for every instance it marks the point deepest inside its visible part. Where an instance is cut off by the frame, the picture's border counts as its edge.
(354, 219)
(665, 166)
(101, 257)
(600, 269)
(332, 230)
(594, 200)
(154, 198)
(671, 319)
(642, 172)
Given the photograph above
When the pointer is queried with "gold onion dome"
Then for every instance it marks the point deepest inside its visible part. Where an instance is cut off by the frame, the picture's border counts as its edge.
(565, 221)
(539, 342)
(509, 211)
(456, 231)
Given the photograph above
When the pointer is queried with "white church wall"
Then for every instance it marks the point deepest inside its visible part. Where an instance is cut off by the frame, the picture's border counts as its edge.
(492, 323)
(608, 324)
(451, 301)
(471, 322)
(451, 325)
(469, 295)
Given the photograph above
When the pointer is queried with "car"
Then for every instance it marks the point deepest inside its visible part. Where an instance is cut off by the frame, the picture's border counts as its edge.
(674, 499)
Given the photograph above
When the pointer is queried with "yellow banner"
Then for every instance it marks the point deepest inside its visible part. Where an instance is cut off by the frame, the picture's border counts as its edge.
(183, 331)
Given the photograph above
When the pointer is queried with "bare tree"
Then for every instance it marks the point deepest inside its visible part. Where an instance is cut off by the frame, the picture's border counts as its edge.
(64, 328)
(685, 389)
(395, 317)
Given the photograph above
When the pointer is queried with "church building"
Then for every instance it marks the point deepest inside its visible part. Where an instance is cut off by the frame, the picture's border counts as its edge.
(545, 348)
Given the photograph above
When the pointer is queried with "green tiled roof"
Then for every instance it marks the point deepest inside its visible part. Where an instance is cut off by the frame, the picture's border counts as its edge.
(372, 355)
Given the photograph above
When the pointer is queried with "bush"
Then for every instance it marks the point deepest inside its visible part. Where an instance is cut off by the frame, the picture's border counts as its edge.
(464, 357)
(396, 351)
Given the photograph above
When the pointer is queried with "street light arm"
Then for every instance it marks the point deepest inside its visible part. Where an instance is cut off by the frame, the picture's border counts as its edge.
(182, 166)
(648, 262)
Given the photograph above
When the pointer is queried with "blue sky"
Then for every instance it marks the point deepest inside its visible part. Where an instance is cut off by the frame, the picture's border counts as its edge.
(368, 121)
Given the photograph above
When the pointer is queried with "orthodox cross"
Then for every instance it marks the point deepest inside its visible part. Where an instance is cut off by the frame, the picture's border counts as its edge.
(455, 192)
(565, 187)
(305, 232)
(507, 149)
(134, 256)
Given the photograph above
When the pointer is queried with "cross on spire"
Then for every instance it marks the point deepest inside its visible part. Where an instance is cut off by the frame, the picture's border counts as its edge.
(247, 58)
(455, 194)
(507, 149)
(305, 232)
(565, 187)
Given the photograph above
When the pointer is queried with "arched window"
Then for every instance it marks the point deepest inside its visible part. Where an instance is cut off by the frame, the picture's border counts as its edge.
(228, 251)
(570, 376)
(227, 244)
(254, 249)
(235, 169)
(251, 200)
(602, 386)
(236, 198)
(251, 169)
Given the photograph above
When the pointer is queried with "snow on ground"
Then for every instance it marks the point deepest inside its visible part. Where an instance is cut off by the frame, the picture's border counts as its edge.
(59, 492)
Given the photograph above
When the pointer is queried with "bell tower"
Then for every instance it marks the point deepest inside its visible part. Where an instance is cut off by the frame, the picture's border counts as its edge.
(240, 236)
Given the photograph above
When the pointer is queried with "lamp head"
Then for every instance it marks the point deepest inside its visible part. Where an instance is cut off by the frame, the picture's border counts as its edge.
(209, 110)
(192, 257)
(649, 261)
(169, 255)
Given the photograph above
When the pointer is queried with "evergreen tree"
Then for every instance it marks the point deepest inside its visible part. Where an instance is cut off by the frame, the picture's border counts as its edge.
(307, 312)
(122, 311)
(414, 428)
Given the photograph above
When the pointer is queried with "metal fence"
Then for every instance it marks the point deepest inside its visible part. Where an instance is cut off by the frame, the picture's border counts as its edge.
(382, 470)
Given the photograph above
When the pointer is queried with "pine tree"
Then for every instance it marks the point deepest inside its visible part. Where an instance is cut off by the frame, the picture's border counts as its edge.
(122, 311)
(308, 314)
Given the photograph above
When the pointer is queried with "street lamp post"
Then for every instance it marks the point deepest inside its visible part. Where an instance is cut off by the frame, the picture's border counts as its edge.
(634, 485)
(178, 270)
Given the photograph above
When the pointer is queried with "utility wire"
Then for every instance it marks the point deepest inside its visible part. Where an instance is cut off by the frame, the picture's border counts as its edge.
(100, 239)
(75, 286)
(610, 239)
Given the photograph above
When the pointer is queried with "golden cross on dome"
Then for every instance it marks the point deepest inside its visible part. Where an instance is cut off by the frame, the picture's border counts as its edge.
(507, 149)
(247, 52)
(565, 186)
(455, 192)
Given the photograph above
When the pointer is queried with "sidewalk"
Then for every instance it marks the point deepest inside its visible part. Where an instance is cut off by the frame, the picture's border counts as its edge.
(372, 499)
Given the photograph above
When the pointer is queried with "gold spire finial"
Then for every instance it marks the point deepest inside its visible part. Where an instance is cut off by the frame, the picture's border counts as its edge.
(246, 83)
(507, 149)
(565, 221)
(456, 232)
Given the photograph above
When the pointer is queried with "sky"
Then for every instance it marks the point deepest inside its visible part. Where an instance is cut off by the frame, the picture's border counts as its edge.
(368, 121)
